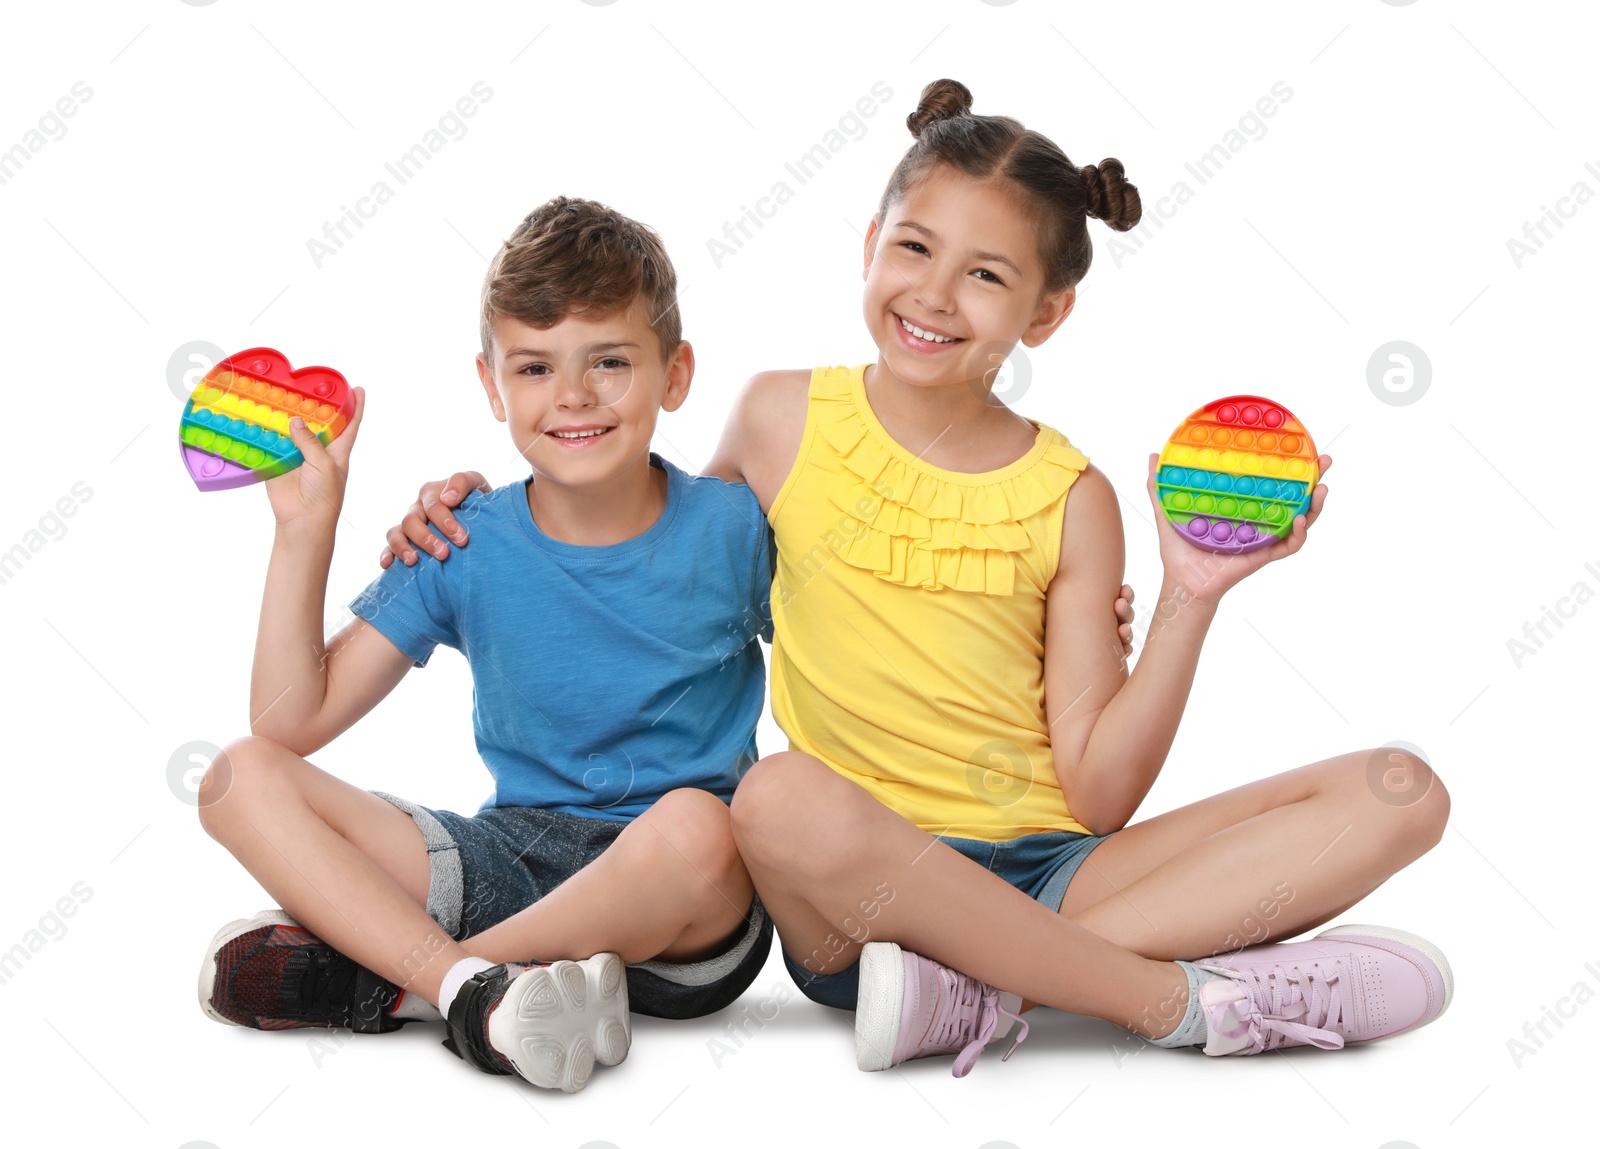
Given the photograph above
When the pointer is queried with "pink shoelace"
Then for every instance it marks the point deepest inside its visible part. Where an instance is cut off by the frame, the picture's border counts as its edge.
(969, 1007)
(1292, 1005)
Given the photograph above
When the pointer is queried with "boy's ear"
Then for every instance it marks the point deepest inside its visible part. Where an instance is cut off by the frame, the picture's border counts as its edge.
(490, 387)
(680, 373)
(869, 247)
(1052, 312)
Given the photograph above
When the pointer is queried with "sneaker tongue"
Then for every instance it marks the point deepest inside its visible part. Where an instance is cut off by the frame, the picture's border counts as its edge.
(1239, 1021)
(1313, 1005)
(324, 988)
(958, 1011)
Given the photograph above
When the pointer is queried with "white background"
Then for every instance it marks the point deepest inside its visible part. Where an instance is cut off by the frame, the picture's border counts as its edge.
(1375, 206)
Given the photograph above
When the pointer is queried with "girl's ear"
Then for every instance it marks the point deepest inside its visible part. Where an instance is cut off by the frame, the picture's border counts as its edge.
(869, 246)
(1052, 311)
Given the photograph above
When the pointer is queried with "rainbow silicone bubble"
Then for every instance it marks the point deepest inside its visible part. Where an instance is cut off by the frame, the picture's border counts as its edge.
(235, 427)
(1234, 475)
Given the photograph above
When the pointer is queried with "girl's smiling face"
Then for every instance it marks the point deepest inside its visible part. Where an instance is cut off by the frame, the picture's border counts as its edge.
(954, 281)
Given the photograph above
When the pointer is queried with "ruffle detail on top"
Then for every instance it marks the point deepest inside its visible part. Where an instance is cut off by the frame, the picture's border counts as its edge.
(920, 530)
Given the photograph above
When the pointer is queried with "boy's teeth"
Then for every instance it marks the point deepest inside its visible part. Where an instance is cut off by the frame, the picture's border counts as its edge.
(579, 434)
(921, 334)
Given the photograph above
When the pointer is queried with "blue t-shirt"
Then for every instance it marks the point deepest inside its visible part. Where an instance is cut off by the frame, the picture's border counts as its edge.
(605, 676)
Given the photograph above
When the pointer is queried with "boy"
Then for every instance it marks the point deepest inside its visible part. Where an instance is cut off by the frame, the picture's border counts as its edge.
(605, 612)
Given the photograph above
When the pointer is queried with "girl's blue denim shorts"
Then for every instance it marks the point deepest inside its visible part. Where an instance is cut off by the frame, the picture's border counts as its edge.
(1040, 865)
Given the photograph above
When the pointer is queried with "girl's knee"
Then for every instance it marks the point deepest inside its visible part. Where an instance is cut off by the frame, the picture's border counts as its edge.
(793, 815)
(769, 805)
(1430, 813)
(1410, 790)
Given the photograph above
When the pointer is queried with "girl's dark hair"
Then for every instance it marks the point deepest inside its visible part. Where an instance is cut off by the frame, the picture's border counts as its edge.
(1058, 192)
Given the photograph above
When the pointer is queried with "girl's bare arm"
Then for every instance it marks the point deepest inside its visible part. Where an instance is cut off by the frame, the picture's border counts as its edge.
(1110, 731)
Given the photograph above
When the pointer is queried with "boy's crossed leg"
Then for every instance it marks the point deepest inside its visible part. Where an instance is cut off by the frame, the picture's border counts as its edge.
(355, 870)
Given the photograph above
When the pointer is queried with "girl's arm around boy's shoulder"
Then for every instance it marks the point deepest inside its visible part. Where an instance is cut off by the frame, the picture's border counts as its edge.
(759, 443)
(761, 437)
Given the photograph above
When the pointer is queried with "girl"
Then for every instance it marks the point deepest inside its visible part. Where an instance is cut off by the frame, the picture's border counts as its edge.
(966, 743)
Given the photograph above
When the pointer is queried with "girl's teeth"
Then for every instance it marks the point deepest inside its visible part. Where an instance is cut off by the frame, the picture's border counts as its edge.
(921, 334)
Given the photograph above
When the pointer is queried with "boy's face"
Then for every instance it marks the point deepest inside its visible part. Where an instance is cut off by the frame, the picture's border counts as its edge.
(582, 396)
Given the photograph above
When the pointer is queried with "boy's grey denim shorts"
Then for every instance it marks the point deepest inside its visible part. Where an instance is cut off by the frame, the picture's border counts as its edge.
(484, 868)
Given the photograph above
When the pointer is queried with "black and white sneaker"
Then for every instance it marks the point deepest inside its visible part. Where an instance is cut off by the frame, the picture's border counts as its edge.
(548, 1024)
(270, 972)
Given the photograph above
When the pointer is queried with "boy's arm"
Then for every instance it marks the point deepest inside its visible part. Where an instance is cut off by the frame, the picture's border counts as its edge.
(302, 694)
(1110, 732)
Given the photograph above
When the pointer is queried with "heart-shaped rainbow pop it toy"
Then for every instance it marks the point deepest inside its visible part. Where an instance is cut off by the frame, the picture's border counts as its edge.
(1235, 474)
(235, 427)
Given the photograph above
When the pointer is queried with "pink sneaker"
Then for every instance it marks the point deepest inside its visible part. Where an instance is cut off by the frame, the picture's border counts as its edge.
(909, 1006)
(1349, 984)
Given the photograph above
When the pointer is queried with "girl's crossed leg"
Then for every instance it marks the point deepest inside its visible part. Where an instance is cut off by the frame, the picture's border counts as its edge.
(837, 869)
(1266, 860)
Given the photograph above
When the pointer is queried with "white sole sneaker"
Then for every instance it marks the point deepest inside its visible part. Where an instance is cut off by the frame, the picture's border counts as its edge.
(879, 1002)
(208, 967)
(556, 1021)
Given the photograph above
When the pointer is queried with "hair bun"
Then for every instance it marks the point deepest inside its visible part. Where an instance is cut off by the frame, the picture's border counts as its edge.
(1111, 197)
(941, 100)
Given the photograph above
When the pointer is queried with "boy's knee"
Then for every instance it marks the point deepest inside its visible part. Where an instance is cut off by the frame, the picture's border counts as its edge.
(240, 772)
(694, 825)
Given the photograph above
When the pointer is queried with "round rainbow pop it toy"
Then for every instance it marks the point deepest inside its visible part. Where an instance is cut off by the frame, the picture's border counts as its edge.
(235, 427)
(1235, 473)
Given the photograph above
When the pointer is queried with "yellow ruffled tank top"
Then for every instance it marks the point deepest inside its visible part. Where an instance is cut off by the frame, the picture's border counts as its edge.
(908, 610)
